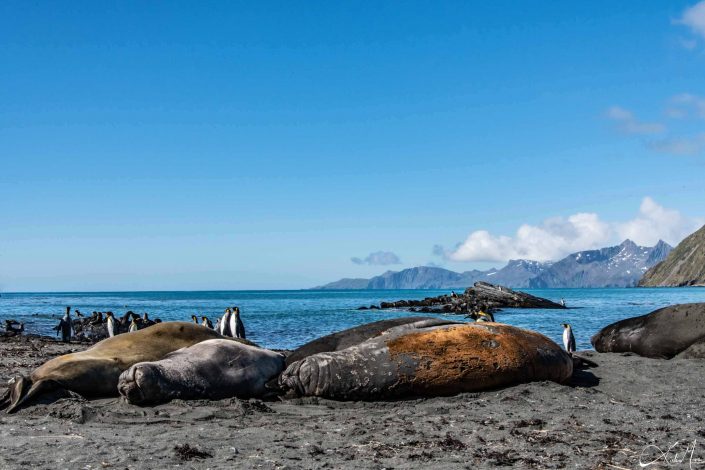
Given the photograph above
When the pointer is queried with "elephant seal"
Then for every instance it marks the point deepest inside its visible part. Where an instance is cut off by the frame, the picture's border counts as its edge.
(352, 336)
(694, 351)
(213, 369)
(663, 333)
(95, 371)
(419, 360)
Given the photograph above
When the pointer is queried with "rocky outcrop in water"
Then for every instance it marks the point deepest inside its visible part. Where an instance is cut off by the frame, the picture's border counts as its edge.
(483, 296)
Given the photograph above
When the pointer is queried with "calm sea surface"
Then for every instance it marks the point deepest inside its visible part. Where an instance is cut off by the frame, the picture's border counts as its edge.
(286, 319)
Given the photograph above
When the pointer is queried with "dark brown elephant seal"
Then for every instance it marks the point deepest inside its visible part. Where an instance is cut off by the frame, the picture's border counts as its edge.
(663, 333)
(694, 351)
(212, 369)
(414, 360)
(352, 336)
(95, 371)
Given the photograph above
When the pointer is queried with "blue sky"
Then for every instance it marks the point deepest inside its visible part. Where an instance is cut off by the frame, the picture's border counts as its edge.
(241, 145)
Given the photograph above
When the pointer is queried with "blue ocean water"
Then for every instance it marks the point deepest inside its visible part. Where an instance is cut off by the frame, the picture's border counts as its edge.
(287, 319)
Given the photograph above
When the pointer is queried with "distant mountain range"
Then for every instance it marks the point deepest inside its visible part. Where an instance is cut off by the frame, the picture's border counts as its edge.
(617, 266)
(684, 266)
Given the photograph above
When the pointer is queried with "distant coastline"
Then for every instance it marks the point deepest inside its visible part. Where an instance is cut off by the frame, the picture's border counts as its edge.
(617, 266)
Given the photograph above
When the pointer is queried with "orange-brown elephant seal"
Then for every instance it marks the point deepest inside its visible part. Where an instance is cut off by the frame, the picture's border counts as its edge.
(95, 371)
(413, 360)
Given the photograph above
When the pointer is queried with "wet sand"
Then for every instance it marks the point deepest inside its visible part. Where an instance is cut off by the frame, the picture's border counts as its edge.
(604, 420)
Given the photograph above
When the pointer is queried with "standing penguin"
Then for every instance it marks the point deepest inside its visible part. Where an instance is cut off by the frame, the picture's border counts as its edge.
(146, 321)
(568, 338)
(65, 327)
(194, 319)
(225, 323)
(237, 328)
(133, 325)
(110, 324)
(206, 322)
(482, 317)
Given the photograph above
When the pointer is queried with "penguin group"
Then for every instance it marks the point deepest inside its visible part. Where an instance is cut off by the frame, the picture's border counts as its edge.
(230, 323)
(100, 324)
(106, 324)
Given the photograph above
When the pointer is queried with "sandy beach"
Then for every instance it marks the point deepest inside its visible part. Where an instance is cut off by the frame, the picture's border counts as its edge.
(607, 418)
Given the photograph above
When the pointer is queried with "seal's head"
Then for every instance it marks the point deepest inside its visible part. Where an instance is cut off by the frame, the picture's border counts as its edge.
(142, 384)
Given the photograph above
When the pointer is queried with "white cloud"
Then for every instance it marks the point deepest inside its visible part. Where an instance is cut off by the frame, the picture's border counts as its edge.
(655, 223)
(627, 123)
(378, 258)
(557, 237)
(694, 18)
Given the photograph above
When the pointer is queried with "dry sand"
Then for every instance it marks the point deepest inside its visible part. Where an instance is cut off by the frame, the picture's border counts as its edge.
(605, 420)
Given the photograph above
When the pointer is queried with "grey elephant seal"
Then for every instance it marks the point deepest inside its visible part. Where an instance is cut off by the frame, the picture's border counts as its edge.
(663, 333)
(95, 371)
(416, 360)
(213, 369)
(352, 336)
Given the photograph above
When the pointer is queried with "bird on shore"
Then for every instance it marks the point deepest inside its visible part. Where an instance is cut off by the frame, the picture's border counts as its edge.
(127, 318)
(133, 325)
(194, 319)
(484, 317)
(96, 318)
(225, 323)
(146, 321)
(10, 327)
(110, 324)
(65, 326)
(568, 338)
(237, 328)
(206, 322)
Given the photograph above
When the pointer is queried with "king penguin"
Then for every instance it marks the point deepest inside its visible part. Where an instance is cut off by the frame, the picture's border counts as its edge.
(568, 338)
(66, 326)
(483, 317)
(225, 323)
(133, 325)
(237, 328)
(194, 319)
(110, 324)
(206, 322)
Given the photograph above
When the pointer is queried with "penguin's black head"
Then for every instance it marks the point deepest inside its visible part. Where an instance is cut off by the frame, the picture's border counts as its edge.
(566, 325)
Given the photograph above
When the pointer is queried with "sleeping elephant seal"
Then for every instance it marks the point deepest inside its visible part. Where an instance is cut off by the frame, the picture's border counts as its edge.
(352, 336)
(95, 371)
(429, 361)
(213, 369)
(663, 333)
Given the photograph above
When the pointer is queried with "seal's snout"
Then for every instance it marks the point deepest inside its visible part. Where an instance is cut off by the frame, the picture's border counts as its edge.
(136, 383)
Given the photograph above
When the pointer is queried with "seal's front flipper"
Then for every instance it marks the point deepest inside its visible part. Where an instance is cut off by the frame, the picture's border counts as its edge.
(13, 395)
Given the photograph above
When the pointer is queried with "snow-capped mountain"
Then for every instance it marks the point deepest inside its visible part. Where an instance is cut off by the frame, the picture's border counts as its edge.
(617, 266)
